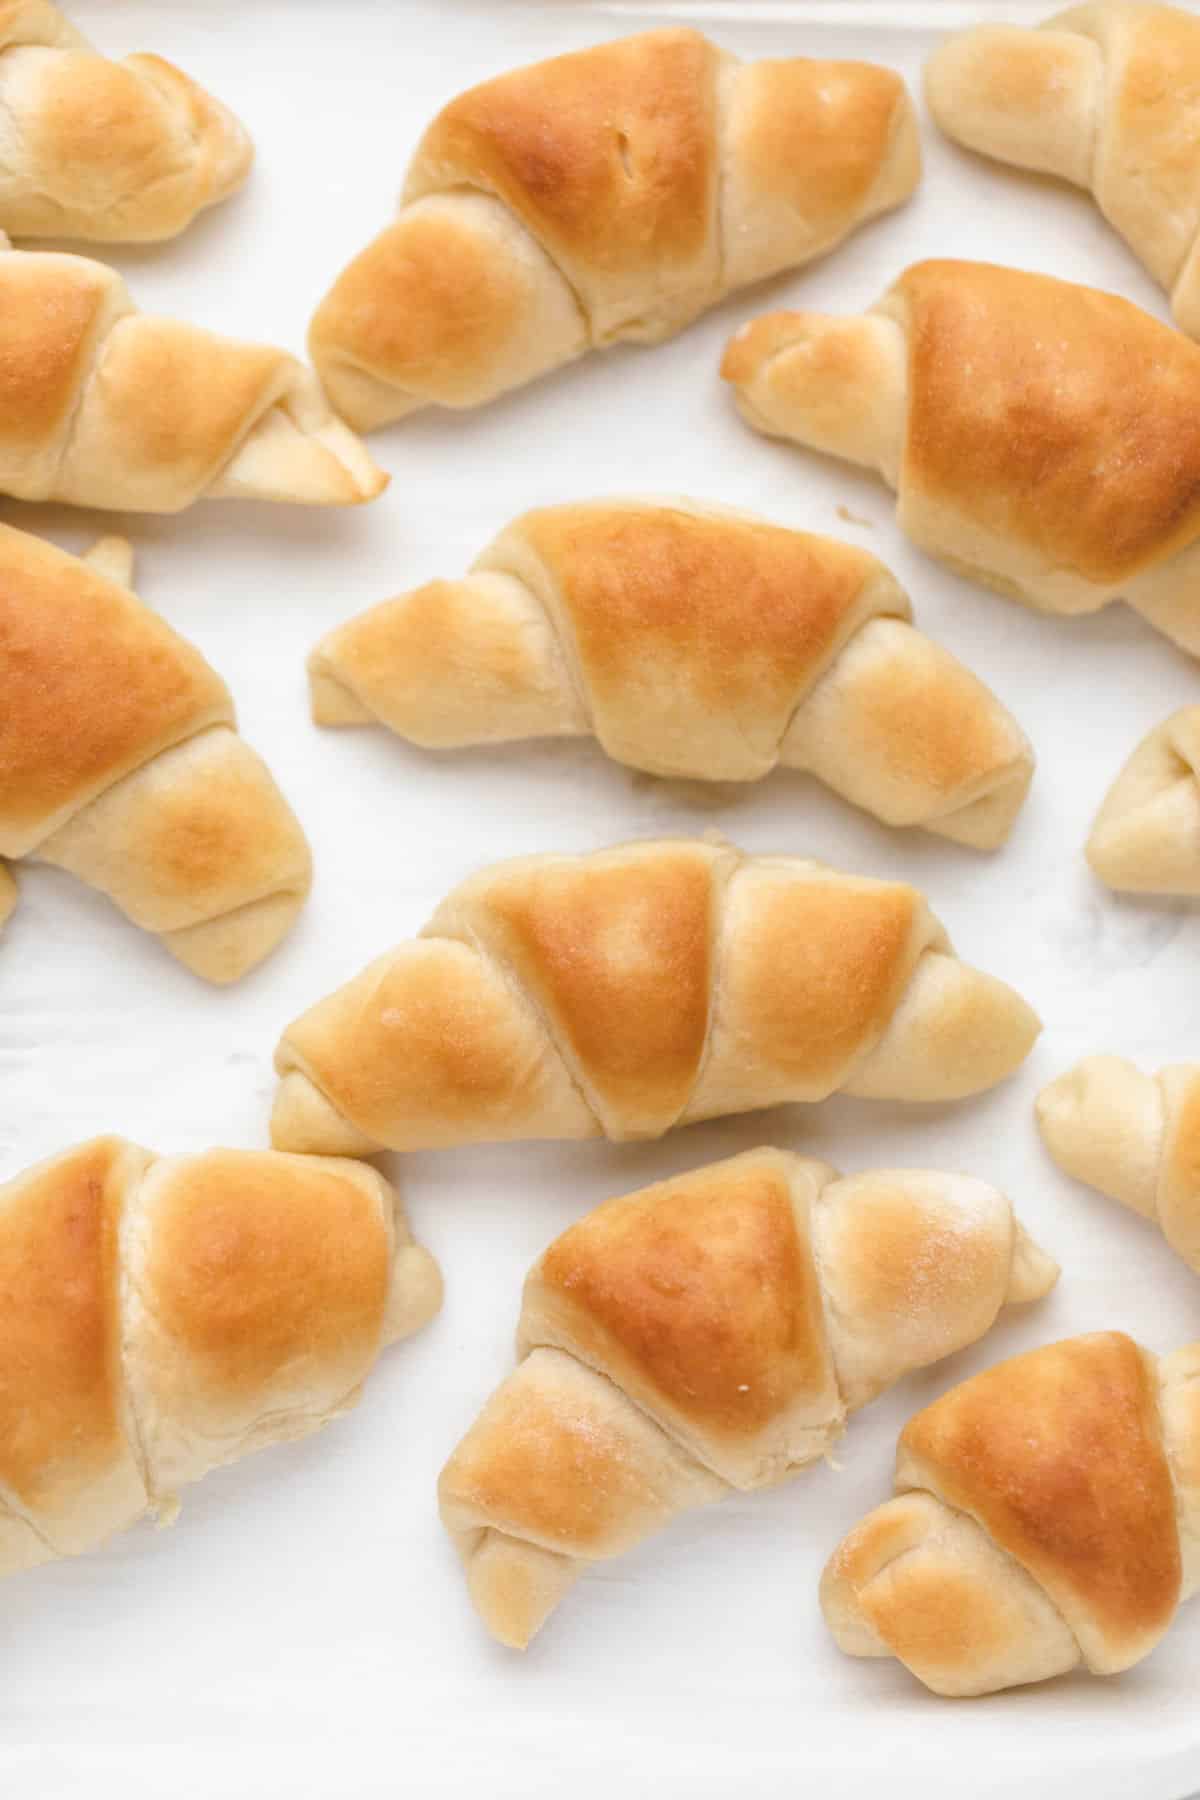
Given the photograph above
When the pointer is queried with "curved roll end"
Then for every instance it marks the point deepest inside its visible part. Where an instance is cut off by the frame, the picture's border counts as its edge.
(1146, 838)
(1026, 97)
(303, 1120)
(1033, 1273)
(1103, 1122)
(835, 385)
(452, 305)
(416, 1293)
(986, 823)
(901, 171)
(223, 950)
(298, 452)
(900, 727)
(198, 846)
(956, 1032)
(330, 700)
(515, 1586)
(8, 894)
(920, 1582)
(221, 149)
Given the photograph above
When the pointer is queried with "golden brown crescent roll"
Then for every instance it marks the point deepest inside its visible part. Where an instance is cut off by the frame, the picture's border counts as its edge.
(120, 761)
(613, 193)
(121, 152)
(711, 1334)
(101, 405)
(691, 641)
(1103, 96)
(1146, 838)
(624, 992)
(1133, 1137)
(1044, 438)
(1048, 1515)
(164, 1316)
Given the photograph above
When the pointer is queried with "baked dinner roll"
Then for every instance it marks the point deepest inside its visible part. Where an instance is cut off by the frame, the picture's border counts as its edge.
(1044, 438)
(120, 761)
(692, 641)
(1102, 96)
(708, 1335)
(120, 152)
(1146, 838)
(164, 1316)
(624, 992)
(613, 193)
(1048, 1515)
(1133, 1137)
(101, 405)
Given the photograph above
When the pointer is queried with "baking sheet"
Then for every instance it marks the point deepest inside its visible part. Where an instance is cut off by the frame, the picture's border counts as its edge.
(305, 1630)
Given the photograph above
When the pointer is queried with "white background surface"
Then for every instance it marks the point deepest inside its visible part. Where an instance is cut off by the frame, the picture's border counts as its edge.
(305, 1630)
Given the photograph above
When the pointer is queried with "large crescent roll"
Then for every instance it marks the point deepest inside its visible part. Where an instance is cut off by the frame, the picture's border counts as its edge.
(1134, 1137)
(120, 761)
(695, 642)
(1103, 96)
(622, 993)
(613, 193)
(711, 1335)
(1043, 438)
(120, 152)
(164, 1316)
(101, 405)
(1048, 1516)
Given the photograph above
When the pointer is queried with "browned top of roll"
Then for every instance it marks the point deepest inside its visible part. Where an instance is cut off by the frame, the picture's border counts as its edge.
(263, 1265)
(61, 1384)
(609, 155)
(742, 615)
(94, 685)
(1052, 414)
(1059, 1455)
(700, 1291)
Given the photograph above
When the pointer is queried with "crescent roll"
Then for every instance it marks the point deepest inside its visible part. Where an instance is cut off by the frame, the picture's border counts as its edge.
(711, 1335)
(1048, 1516)
(613, 193)
(164, 1316)
(1101, 95)
(692, 642)
(103, 406)
(1146, 838)
(119, 152)
(1043, 438)
(625, 992)
(1134, 1137)
(120, 761)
